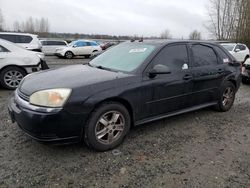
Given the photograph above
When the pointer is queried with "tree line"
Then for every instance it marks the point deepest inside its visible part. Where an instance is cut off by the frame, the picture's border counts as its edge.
(228, 20)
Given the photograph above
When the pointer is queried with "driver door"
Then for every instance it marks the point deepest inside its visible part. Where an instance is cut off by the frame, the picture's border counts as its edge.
(169, 91)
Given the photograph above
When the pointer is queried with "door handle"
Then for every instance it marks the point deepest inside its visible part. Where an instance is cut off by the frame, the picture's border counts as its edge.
(187, 77)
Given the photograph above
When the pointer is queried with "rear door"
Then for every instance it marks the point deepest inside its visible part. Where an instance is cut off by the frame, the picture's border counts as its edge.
(82, 48)
(169, 91)
(208, 73)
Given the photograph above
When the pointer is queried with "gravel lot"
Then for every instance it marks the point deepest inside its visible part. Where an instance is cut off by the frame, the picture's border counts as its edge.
(199, 149)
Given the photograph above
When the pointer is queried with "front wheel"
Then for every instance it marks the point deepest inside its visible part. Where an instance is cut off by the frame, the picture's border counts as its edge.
(69, 55)
(11, 77)
(107, 126)
(227, 97)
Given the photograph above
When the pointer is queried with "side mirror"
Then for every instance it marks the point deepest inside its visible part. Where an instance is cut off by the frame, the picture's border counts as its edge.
(74, 46)
(237, 50)
(159, 69)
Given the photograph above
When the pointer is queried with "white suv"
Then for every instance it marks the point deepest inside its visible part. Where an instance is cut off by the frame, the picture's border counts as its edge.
(239, 51)
(16, 62)
(79, 48)
(26, 40)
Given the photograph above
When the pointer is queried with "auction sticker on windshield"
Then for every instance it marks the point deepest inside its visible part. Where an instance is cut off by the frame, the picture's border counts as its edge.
(138, 50)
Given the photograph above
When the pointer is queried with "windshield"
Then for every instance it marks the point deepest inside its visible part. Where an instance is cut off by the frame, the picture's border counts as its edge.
(228, 47)
(72, 43)
(125, 57)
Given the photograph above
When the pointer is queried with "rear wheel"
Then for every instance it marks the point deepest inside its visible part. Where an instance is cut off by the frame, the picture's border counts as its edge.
(107, 126)
(227, 97)
(11, 77)
(69, 55)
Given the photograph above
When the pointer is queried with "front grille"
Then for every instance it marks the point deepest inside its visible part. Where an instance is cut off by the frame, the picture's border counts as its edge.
(22, 95)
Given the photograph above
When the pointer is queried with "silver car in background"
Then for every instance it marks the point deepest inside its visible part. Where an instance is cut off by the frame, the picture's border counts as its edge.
(49, 46)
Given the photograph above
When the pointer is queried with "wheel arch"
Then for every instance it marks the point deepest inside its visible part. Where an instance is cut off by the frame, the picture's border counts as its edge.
(69, 51)
(122, 101)
(7, 66)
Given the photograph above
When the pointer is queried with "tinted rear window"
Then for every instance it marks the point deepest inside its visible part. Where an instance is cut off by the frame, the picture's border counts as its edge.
(204, 56)
(53, 43)
(16, 38)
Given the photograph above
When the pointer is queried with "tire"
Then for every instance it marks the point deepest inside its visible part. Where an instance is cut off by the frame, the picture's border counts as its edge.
(245, 81)
(87, 56)
(11, 77)
(106, 122)
(69, 55)
(227, 97)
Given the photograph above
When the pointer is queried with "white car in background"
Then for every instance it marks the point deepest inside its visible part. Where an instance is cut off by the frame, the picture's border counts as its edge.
(26, 40)
(49, 46)
(16, 62)
(79, 48)
(239, 51)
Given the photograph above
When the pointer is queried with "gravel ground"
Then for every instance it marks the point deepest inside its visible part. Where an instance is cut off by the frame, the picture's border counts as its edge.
(198, 149)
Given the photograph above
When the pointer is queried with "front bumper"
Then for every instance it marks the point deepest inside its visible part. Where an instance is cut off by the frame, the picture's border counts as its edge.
(49, 125)
(42, 65)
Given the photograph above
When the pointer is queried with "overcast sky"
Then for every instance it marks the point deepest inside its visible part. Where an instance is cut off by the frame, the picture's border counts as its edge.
(114, 17)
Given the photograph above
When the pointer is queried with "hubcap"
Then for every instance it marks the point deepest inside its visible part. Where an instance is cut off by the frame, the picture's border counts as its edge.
(13, 78)
(68, 55)
(109, 127)
(228, 96)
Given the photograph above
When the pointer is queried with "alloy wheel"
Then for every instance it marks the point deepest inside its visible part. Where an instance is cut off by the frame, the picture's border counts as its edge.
(13, 78)
(228, 96)
(109, 127)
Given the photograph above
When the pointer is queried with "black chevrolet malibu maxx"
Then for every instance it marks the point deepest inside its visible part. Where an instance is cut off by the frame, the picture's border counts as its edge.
(128, 85)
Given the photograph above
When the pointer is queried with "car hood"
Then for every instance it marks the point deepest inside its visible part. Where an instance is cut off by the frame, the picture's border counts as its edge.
(73, 77)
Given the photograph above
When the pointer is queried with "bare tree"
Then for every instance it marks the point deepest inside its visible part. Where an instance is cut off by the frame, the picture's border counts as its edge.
(166, 34)
(195, 35)
(29, 25)
(16, 26)
(44, 25)
(1, 21)
(224, 15)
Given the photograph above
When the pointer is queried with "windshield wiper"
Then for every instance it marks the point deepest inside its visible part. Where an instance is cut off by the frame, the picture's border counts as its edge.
(103, 68)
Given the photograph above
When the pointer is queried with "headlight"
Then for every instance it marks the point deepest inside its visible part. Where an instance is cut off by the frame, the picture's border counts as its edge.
(50, 98)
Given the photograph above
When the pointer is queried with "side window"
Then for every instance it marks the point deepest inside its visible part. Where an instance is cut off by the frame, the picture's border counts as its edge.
(93, 44)
(89, 44)
(44, 43)
(60, 43)
(11, 38)
(2, 49)
(81, 44)
(203, 56)
(223, 56)
(242, 47)
(175, 57)
(23, 39)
